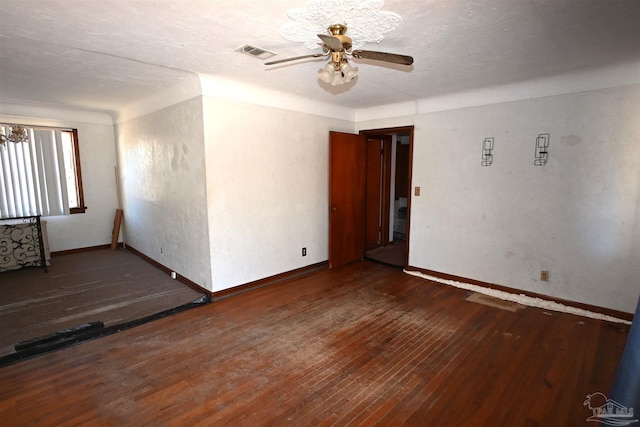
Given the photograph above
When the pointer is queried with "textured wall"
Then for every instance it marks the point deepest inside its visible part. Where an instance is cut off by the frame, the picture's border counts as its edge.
(577, 217)
(267, 186)
(162, 169)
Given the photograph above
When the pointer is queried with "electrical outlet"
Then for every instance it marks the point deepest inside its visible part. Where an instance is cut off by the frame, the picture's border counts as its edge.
(416, 191)
(544, 275)
(304, 251)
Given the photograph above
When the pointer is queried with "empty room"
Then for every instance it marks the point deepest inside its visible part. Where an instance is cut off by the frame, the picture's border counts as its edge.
(319, 212)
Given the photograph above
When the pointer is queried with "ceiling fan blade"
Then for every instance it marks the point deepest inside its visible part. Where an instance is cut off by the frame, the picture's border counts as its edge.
(383, 56)
(331, 42)
(280, 61)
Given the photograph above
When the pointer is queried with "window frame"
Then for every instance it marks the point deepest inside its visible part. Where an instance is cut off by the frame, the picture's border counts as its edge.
(79, 188)
(75, 153)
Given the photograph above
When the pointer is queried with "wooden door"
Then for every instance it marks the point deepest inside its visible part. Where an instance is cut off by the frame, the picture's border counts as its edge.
(378, 191)
(347, 178)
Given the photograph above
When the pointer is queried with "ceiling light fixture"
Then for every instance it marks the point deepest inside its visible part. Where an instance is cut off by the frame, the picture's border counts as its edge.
(16, 134)
(367, 17)
(338, 71)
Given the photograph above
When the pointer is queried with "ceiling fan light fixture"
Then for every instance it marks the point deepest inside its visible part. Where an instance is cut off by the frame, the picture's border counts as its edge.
(349, 73)
(337, 73)
(326, 74)
(333, 15)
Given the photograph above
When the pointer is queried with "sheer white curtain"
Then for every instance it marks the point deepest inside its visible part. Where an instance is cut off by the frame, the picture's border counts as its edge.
(32, 175)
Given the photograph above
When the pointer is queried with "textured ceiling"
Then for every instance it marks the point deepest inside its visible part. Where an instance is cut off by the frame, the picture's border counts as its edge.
(105, 54)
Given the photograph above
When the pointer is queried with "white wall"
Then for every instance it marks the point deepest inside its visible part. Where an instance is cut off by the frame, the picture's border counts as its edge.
(162, 169)
(267, 189)
(98, 159)
(577, 217)
(225, 192)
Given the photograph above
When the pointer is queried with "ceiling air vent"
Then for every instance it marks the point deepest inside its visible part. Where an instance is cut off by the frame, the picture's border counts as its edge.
(256, 52)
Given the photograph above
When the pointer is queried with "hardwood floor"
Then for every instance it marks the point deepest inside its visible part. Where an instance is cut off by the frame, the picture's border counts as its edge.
(114, 287)
(393, 254)
(363, 344)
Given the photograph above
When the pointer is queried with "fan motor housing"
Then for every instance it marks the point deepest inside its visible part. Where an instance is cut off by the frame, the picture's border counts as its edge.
(338, 31)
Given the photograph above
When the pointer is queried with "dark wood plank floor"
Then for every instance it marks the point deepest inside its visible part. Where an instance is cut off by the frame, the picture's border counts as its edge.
(364, 344)
(102, 285)
(393, 254)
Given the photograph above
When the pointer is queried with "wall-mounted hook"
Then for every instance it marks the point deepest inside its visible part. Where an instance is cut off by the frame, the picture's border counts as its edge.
(542, 149)
(487, 151)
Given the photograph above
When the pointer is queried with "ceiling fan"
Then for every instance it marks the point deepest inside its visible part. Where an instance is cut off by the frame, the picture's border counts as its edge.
(337, 45)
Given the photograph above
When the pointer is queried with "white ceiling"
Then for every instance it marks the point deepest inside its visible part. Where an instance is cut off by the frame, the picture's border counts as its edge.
(105, 54)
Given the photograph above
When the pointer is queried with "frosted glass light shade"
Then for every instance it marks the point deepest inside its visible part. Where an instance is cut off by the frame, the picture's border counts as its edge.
(326, 74)
(348, 72)
(337, 77)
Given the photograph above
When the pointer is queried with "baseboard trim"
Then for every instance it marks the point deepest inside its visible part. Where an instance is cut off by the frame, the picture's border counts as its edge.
(148, 259)
(80, 250)
(582, 306)
(241, 289)
(215, 296)
(179, 277)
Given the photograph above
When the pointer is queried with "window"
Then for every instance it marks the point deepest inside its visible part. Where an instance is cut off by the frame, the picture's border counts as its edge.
(39, 172)
(72, 171)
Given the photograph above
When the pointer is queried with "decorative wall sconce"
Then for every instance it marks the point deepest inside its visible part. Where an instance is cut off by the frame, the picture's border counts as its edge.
(487, 150)
(542, 150)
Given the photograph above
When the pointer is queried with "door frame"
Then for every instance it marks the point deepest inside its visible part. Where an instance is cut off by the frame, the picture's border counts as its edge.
(378, 185)
(390, 131)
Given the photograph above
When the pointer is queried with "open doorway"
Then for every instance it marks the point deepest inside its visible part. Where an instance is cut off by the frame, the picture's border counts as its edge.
(388, 194)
